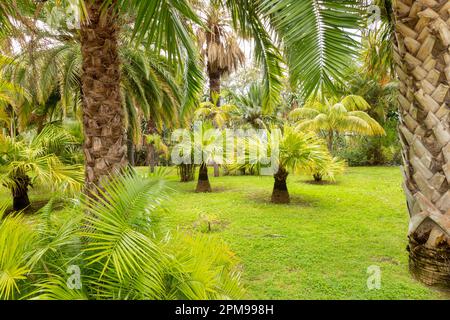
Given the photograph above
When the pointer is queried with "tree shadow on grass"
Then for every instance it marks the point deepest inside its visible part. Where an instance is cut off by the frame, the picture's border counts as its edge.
(35, 206)
(296, 200)
(321, 183)
(215, 189)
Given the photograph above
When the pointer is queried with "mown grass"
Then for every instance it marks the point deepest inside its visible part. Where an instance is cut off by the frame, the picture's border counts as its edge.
(318, 247)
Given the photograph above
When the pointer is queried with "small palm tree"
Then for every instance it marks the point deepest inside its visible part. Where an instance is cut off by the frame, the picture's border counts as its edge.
(332, 167)
(208, 143)
(205, 146)
(250, 108)
(296, 151)
(219, 115)
(332, 117)
(123, 255)
(44, 158)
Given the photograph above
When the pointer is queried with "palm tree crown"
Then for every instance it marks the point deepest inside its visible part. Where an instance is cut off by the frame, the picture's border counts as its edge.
(332, 116)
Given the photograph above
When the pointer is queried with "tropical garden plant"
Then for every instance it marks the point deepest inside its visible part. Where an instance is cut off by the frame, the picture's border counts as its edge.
(131, 61)
(286, 151)
(336, 116)
(43, 159)
(123, 254)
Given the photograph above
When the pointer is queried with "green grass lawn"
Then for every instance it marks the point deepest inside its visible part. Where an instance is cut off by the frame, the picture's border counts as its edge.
(319, 246)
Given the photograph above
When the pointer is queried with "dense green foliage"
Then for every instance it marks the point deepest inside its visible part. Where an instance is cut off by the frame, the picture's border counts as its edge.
(120, 248)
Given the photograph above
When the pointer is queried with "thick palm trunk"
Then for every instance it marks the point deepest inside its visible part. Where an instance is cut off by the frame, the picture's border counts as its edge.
(214, 87)
(20, 191)
(280, 192)
(214, 83)
(203, 184)
(214, 73)
(317, 177)
(423, 68)
(131, 150)
(103, 116)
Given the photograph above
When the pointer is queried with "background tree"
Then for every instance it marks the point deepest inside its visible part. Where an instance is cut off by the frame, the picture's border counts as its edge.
(218, 46)
(43, 159)
(333, 116)
(220, 115)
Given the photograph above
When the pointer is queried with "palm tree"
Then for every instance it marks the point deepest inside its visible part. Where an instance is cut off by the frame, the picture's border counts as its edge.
(103, 113)
(123, 255)
(329, 169)
(220, 115)
(205, 146)
(250, 111)
(311, 29)
(421, 54)
(296, 151)
(332, 117)
(44, 159)
(381, 94)
(218, 46)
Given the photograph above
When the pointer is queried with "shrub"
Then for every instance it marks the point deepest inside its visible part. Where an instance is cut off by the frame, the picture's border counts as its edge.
(119, 248)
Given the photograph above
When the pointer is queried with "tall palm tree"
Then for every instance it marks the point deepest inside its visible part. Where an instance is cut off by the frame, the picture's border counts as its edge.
(423, 61)
(333, 116)
(218, 46)
(162, 25)
(103, 113)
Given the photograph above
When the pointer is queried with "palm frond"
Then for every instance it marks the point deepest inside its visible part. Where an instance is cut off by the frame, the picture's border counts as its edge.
(319, 39)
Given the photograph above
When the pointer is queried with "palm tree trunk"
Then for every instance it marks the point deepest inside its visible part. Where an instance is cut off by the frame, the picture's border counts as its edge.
(214, 83)
(187, 172)
(214, 73)
(330, 138)
(317, 177)
(280, 192)
(151, 151)
(152, 157)
(20, 190)
(423, 64)
(214, 87)
(203, 184)
(105, 145)
(131, 150)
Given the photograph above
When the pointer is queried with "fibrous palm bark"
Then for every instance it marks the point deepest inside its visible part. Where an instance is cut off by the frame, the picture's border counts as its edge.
(280, 193)
(423, 68)
(203, 184)
(103, 115)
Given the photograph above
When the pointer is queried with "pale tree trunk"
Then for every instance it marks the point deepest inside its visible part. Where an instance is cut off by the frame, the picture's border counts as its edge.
(423, 68)
(103, 116)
